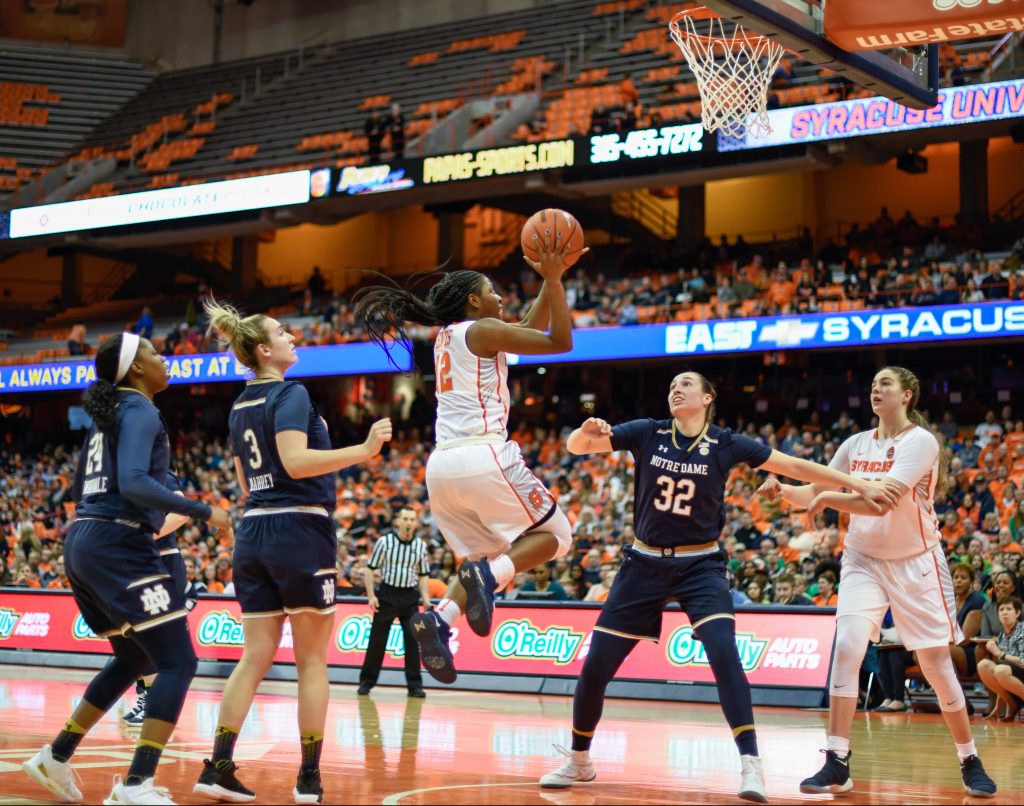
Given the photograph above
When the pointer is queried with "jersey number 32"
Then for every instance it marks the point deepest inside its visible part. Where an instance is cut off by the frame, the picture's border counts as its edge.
(673, 495)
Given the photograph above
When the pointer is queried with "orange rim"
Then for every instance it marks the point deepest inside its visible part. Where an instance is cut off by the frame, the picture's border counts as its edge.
(705, 13)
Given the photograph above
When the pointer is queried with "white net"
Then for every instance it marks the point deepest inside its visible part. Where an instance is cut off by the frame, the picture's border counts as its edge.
(733, 68)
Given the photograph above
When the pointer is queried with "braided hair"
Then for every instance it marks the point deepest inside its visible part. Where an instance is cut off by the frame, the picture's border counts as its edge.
(384, 310)
(100, 400)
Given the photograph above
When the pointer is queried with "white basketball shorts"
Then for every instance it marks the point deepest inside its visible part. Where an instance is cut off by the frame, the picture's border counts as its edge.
(483, 496)
(919, 590)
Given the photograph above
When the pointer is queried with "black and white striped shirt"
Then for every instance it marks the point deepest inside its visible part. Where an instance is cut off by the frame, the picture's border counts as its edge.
(401, 563)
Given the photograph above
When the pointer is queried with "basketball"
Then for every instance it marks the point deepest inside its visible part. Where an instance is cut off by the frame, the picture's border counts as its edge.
(552, 223)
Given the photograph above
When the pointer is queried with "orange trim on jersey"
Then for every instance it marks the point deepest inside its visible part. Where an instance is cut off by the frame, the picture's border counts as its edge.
(497, 368)
(509, 483)
(942, 596)
(480, 394)
(907, 427)
(920, 523)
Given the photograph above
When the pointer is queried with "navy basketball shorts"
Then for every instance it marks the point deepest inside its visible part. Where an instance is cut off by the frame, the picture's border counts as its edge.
(118, 578)
(175, 565)
(645, 584)
(285, 562)
(171, 557)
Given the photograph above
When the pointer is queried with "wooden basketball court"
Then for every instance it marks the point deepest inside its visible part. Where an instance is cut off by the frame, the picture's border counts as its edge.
(466, 747)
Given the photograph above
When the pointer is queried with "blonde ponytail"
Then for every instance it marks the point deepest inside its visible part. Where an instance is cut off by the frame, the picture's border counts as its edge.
(243, 334)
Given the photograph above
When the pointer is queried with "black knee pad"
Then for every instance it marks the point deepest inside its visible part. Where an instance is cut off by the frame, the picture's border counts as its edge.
(718, 635)
(170, 648)
(117, 676)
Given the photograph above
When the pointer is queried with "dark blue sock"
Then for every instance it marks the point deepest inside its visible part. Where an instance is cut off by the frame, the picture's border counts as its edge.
(607, 652)
(719, 638)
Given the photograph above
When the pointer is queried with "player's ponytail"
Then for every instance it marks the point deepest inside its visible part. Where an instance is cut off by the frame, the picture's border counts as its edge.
(908, 380)
(100, 400)
(384, 310)
(243, 334)
(707, 388)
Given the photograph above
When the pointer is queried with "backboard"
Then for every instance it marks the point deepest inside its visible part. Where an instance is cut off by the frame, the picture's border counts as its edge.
(908, 75)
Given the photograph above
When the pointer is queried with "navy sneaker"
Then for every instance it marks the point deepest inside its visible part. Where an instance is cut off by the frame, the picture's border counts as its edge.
(432, 635)
(477, 579)
(833, 778)
(977, 784)
(308, 788)
(218, 782)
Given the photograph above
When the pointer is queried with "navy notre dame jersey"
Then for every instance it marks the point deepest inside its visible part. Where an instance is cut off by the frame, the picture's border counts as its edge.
(261, 412)
(123, 475)
(679, 494)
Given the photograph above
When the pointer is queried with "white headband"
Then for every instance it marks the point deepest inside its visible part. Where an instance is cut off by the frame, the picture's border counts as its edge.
(129, 346)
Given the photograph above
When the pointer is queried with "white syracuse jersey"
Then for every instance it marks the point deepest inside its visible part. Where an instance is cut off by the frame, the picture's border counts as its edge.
(912, 458)
(472, 392)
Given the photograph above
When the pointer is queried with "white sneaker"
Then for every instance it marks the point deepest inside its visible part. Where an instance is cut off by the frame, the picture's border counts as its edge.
(752, 783)
(57, 776)
(144, 793)
(577, 769)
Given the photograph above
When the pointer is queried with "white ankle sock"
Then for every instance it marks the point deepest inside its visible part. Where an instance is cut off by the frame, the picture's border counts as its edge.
(504, 570)
(449, 611)
(966, 750)
(839, 745)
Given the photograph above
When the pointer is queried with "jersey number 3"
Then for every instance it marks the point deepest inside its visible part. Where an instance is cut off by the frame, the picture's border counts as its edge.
(443, 370)
(255, 457)
(674, 493)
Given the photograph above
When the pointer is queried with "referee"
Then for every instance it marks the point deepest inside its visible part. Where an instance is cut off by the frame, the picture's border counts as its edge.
(404, 569)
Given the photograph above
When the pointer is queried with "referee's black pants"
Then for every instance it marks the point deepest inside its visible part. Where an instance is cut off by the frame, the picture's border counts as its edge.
(402, 603)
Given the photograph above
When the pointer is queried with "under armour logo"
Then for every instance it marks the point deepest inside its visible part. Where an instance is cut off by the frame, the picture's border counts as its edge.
(155, 600)
(663, 448)
(328, 589)
(419, 626)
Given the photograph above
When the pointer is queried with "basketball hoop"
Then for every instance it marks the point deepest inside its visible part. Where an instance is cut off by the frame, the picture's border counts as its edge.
(733, 68)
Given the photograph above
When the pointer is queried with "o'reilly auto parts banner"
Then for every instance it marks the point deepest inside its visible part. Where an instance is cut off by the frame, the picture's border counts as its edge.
(776, 649)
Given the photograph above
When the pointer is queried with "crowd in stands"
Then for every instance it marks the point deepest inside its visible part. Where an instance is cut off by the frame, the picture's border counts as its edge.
(775, 556)
(885, 264)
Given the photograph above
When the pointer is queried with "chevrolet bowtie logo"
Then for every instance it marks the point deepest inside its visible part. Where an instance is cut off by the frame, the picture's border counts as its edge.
(788, 332)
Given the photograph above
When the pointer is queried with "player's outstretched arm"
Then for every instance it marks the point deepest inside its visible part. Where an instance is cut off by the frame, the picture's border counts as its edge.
(853, 503)
(487, 337)
(594, 436)
(878, 495)
(796, 495)
(302, 462)
(539, 315)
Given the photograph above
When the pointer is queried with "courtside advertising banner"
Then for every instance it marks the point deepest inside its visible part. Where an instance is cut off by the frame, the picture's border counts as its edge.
(776, 649)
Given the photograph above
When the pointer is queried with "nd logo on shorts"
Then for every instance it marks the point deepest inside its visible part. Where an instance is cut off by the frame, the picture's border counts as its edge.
(155, 600)
(328, 591)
